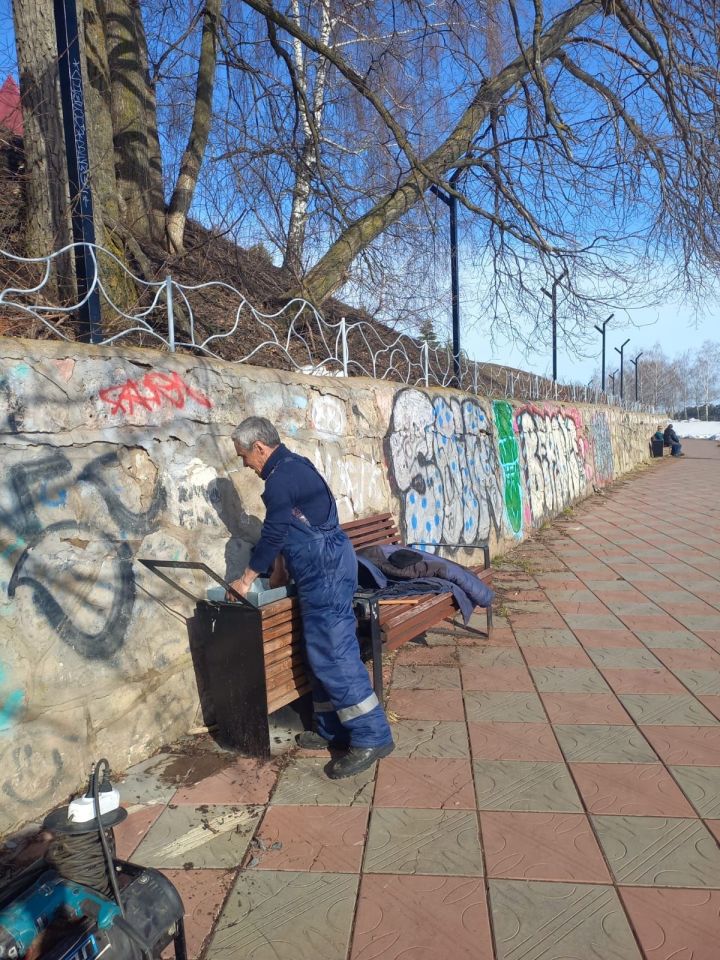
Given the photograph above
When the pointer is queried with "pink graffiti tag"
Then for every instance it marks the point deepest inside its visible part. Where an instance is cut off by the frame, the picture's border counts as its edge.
(151, 392)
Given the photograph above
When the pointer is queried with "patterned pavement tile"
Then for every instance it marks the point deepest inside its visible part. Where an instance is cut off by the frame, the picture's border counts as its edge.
(130, 832)
(643, 681)
(145, 782)
(603, 743)
(427, 704)
(713, 705)
(424, 842)
(659, 851)
(694, 659)
(545, 637)
(518, 785)
(426, 783)
(497, 679)
(542, 846)
(202, 893)
(675, 924)
(559, 921)
(286, 916)
(206, 836)
(701, 681)
(425, 738)
(326, 839)
(623, 657)
(508, 707)
(513, 741)
(591, 639)
(714, 828)
(685, 745)
(304, 781)
(557, 657)
(529, 621)
(701, 785)
(392, 916)
(413, 653)
(630, 789)
(601, 708)
(243, 781)
(569, 680)
(490, 657)
(579, 622)
(425, 678)
(675, 710)
(669, 639)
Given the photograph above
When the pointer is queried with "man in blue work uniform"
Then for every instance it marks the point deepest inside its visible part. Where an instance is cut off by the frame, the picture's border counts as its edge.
(301, 524)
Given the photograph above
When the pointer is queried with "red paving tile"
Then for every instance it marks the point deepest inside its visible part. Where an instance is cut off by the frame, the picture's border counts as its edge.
(202, 893)
(497, 679)
(714, 828)
(675, 924)
(584, 708)
(630, 789)
(427, 656)
(513, 741)
(425, 783)
(326, 839)
(712, 703)
(421, 918)
(678, 746)
(643, 681)
(557, 657)
(542, 846)
(130, 832)
(244, 781)
(427, 704)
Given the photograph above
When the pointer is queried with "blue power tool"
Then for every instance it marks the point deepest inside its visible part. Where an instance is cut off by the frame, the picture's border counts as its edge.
(80, 902)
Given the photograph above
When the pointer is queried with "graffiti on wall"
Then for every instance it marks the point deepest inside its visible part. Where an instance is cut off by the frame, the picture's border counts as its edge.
(601, 439)
(78, 573)
(11, 701)
(555, 457)
(444, 465)
(152, 392)
(509, 461)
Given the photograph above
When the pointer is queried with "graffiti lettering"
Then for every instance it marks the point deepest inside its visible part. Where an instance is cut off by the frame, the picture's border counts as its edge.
(80, 577)
(151, 392)
(508, 448)
(444, 464)
(602, 446)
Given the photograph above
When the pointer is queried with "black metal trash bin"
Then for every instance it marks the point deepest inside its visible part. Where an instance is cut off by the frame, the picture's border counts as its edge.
(657, 447)
(233, 665)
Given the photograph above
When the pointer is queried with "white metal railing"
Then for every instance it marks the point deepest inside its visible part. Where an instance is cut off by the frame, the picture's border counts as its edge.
(298, 333)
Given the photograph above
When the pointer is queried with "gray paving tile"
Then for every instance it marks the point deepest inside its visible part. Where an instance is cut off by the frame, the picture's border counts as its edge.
(660, 851)
(424, 842)
(701, 785)
(430, 738)
(701, 682)
(284, 915)
(304, 781)
(515, 785)
(145, 783)
(569, 680)
(559, 921)
(503, 707)
(614, 658)
(676, 709)
(676, 639)
(545, 637)
(593, 621)
(603, 743)
(426, 678)
(490, 657)
(208, 836)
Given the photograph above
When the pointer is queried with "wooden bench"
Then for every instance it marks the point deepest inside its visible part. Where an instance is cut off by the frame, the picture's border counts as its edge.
(392, 623)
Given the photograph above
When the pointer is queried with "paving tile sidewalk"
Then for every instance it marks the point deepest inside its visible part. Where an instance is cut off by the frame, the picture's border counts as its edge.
(555, 792)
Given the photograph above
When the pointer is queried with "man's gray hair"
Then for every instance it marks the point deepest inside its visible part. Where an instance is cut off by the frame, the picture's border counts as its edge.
(253, 429)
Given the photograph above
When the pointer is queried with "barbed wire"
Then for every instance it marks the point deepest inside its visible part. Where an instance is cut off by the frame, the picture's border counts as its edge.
(297, 334)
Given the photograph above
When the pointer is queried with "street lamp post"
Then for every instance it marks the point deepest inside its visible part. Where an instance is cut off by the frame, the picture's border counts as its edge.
(602, 331)
(78, 166)
(553, 297)
(620, 351)
(450, 200)
(611, 378)
(634, 361)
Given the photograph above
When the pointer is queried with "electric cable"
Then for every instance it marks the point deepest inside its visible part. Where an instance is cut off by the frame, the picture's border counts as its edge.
(79, 858)
(103, 839)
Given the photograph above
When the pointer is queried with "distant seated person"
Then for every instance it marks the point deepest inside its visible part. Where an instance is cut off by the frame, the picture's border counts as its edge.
(659, 434)
(671, 439)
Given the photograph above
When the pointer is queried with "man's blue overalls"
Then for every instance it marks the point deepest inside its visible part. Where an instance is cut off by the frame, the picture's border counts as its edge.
(321, 561)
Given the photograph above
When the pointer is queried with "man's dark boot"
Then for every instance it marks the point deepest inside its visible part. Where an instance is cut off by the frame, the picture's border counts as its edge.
(358, 759)
(309, 740)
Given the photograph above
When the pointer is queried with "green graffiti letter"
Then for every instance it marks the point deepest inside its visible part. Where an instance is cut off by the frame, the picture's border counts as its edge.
(508, 449)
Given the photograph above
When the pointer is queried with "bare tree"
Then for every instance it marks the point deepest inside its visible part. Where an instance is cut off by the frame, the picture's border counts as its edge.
(707, 373)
